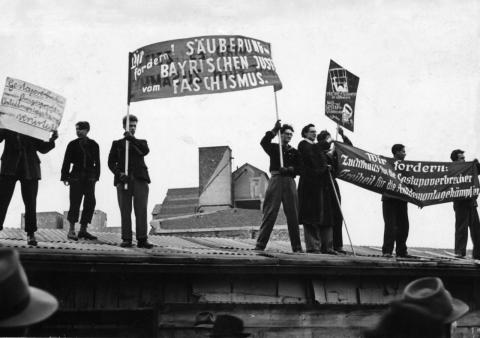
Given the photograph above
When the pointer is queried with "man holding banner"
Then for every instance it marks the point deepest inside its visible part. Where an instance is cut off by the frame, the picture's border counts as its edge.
(20, 162)
(281, 187)
(131, 187)
(395, 216)
(466, 216)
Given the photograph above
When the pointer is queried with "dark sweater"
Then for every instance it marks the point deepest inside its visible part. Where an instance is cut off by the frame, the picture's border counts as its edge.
(291, 157)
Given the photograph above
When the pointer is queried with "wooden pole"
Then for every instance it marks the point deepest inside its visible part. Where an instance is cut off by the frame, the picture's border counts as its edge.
(278, 134)
(341, 212)
(127, 128)
(127, 124)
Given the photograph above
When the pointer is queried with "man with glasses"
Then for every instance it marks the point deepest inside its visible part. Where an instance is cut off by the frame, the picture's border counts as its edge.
(281, 187)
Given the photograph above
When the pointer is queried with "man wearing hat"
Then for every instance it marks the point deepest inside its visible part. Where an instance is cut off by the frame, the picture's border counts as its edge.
(227, 326)
(426, 310)
(21, 305)
(466, 216)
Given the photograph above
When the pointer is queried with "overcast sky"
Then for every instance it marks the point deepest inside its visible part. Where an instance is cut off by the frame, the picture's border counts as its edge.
(418, 63)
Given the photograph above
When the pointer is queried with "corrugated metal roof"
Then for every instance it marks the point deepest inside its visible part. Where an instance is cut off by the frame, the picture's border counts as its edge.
(213, 249)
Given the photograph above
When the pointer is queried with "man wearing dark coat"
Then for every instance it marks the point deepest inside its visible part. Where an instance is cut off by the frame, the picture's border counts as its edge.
(20, 162)
(327, 216)
(307, 189)
(83, 153)
(337, 226)
(131, 186)
(281, 187)
(395, 216)
(466, 216)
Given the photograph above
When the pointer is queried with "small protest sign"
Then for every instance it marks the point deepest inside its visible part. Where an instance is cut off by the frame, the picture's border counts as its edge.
(419, 182)
(340, 95)
(29, 109)
(200, 65)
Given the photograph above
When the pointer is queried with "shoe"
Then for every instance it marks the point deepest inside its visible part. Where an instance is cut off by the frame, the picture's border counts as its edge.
(144, 244)
(298, 251)
(259, 248)
(314, 251)
(387, 255)
(331, 252)
(341, 251)
(71, 235)
(126, 244)
(406, 255)
(460, 256)
(86, 235)
(31, 240)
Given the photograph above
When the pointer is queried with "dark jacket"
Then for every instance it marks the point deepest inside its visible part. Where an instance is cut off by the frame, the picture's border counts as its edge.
(308, 185)
(467, 203)
(20, 157)
(323, 208)
(291, 157)
(137, 149)
(84, 154)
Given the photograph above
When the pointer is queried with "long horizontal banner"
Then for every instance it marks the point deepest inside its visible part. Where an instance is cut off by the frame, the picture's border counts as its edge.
(200, 65)
(419, 182)
(29, 109)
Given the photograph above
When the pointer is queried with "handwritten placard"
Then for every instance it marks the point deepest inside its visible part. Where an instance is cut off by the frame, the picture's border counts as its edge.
(29, 109)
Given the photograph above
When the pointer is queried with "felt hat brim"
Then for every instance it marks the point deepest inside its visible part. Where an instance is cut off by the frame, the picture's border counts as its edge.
(41, 306)
(459, 309)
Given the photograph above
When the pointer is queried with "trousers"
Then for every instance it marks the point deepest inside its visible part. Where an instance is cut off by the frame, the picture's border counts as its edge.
(465, 217)
(29, 190)
(281, 191)
(137, 193)
(81, 189)
(395, 216)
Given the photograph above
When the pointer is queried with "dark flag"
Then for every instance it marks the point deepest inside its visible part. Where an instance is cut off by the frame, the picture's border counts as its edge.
(340, 95)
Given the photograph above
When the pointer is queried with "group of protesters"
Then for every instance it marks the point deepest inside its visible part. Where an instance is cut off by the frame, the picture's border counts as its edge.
(317, 202)
(80, 171)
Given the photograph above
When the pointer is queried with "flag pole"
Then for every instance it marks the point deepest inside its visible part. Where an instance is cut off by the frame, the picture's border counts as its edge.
(341, 212)
(278, 133)
(127, 124)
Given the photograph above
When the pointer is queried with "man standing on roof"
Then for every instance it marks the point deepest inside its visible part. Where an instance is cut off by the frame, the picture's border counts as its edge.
(281, 187)
(137, 182)
(20, 162)
(395, 215)
(466, 216)
(83, 153)
(307, 189)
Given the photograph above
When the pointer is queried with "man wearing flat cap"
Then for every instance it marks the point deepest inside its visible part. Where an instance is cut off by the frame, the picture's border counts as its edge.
(21, 305)
(81, 170)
